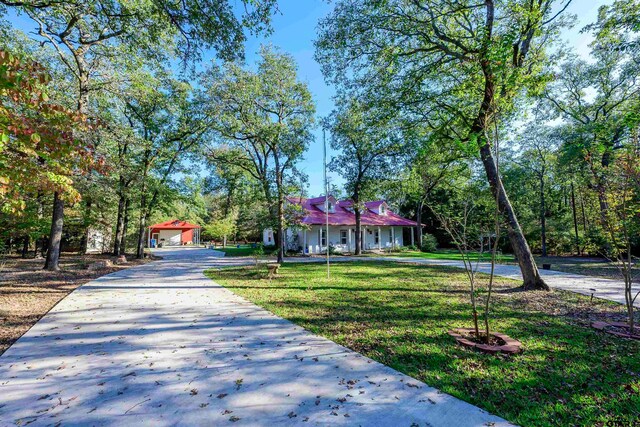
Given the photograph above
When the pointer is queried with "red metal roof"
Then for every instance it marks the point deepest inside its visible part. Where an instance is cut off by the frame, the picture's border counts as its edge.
(174, 224)
(343, 216)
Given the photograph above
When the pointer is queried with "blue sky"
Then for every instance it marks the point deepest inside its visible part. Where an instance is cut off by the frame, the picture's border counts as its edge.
(294, 30)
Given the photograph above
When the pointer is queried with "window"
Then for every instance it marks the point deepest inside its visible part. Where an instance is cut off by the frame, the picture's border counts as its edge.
(377, 237)
(391, 235)
(343, 237)
(382, 210)
(323, 237)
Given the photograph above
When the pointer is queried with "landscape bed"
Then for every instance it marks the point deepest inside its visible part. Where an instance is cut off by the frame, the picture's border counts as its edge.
(399, 314)
(27, 292)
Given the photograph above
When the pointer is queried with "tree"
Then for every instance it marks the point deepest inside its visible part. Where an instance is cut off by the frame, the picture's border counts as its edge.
(595, 100)
(163, 113)
(455, 65)
(39, 145)
(433, 165)
(221, 228)
(537, 157)
(89, 34)
(622, 223)
(262, 121)
(367, 144)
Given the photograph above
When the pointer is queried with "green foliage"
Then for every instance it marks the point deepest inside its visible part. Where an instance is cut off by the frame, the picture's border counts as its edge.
(368, 147)
(429, 243)
(39, 145)
(220, 229)
(260, 123)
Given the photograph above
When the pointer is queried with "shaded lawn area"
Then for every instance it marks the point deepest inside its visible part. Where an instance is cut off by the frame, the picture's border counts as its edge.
(597, 267)
(452, 254)
(244, 250)
(398, 314)
(27, 292)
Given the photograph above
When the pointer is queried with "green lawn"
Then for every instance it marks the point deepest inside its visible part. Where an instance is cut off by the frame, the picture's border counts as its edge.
(597, 267)
(398, 314)
(453, 255)
(244, 250)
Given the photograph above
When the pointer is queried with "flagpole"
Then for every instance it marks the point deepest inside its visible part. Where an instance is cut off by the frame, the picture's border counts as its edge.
(326, 195)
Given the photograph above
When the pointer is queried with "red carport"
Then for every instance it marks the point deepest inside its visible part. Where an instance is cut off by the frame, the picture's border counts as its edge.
(173, 233)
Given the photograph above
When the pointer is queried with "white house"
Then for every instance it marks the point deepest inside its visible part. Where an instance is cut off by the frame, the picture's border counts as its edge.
(381, 228)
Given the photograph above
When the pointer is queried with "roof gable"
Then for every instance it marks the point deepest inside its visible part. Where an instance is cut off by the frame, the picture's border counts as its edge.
(343, 213)
(175, 224)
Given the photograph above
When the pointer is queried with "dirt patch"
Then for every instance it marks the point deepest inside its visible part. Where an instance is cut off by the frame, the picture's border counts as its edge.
(619, 329)
(498, 343)
(27, 292)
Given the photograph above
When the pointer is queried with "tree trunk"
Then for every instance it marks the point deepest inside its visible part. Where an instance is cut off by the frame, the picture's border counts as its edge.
(25, 246)
(575, 218)
(125, 226)
(280, 233)
(142, 225)
(358, 230)
(584, 215)
(55, 236)
(419, 221)
(529, 269)
(604, 204)
(119, 225)
(141, 232)
(40, 243)
(84, 242)
(543, 219)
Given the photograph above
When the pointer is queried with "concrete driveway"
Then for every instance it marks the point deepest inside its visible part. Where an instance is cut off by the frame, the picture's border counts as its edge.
(162, 345)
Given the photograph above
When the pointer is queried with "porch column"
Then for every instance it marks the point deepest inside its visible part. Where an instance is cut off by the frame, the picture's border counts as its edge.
(364, 238)
(393, 237)
(304, 241)
(379, 239)
(412, 241)
(349, 233)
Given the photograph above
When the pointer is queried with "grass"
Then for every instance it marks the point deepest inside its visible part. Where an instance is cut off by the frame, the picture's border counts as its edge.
(450, 254)
(245, 250)
(398, 314)
(596, 267)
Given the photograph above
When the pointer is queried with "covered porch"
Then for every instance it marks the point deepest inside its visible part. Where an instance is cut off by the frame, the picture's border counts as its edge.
(343, 238)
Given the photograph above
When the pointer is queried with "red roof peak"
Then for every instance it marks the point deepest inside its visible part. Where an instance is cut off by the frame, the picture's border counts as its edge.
(343, 213)
(174, 223)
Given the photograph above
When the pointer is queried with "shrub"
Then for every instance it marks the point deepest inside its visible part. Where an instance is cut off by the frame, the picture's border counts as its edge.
(429, 243)
(411, 247)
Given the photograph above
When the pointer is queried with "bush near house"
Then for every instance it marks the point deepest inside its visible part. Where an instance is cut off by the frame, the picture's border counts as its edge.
(429, 243)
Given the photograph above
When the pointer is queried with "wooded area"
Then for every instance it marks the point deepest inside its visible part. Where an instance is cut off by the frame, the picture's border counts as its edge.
(109, 118)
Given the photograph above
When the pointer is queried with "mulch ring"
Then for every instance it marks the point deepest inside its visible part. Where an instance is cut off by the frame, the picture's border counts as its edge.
(619, 329)
(498, 343)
